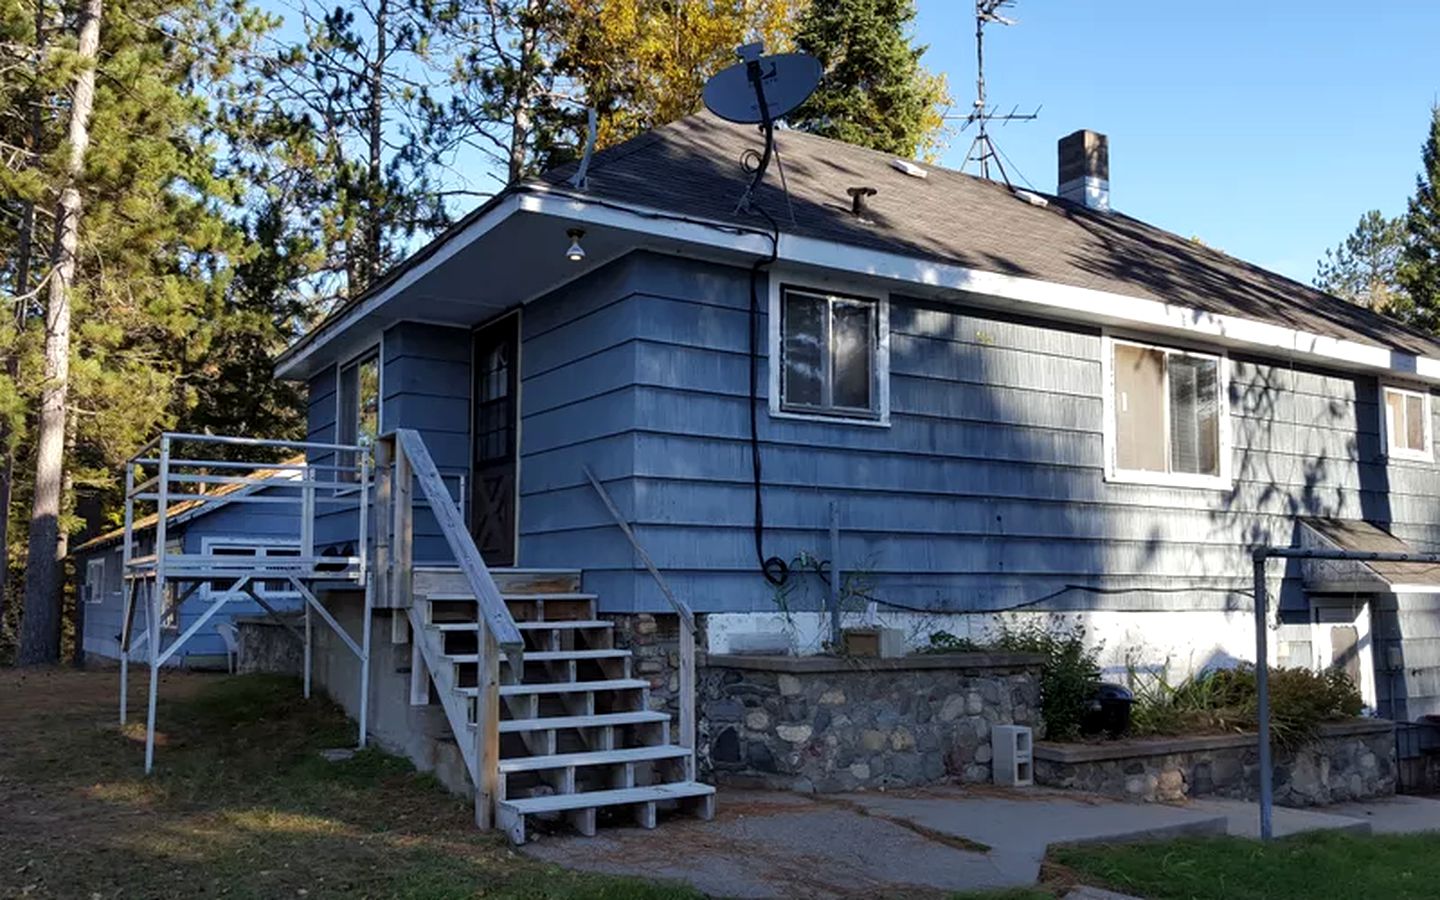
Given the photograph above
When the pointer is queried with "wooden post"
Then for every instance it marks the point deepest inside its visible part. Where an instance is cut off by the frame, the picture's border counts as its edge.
(687, 684)
(403, 550)
(487, 728)
(834, 574)
(384, 519)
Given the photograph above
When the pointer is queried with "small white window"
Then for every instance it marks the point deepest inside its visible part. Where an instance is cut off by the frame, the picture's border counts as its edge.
(1407, 423)
(1167, 419)
(831, 352)
(94, 588)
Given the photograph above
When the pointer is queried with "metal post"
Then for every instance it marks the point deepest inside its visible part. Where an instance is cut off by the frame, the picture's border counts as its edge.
(365, 581)
(129, 589)
(1262, 694)
(157, 599)
(308, 655)
(834, 574)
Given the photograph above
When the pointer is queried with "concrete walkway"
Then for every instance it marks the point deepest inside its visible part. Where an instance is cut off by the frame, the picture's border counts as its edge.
(921, 843)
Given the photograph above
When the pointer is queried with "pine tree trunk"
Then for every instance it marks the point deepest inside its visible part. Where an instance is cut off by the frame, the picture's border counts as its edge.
(40, 630)
(520, 121)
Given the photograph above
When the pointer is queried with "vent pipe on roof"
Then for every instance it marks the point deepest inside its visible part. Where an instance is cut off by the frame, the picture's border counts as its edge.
(1085, 169)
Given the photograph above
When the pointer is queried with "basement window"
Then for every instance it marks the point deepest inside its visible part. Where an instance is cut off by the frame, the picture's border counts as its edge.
(1407, 423)
(832, 356)
(94, 588)
(1167, 420)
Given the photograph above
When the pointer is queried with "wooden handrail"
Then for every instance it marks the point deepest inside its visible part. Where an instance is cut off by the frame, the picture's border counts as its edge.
(682, 610)
(493, 611)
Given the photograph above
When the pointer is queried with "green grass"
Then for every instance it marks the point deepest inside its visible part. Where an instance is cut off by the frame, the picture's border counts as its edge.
(240, 804)
(1320, 864)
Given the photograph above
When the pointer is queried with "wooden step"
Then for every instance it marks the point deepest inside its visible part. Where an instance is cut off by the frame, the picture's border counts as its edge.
(564, 623)
(592, 758)
(655, 793)
(547, 655)
(565, 687)
(598, 720)
(566, 595)
(429, 579)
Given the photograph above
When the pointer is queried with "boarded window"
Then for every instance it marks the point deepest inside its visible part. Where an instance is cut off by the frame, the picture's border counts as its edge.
(1407, 423)
(1167, 411)
(94, 589)
(829, 345)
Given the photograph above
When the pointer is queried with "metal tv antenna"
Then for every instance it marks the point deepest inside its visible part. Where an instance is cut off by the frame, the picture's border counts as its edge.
(759, 90)
(982, 149)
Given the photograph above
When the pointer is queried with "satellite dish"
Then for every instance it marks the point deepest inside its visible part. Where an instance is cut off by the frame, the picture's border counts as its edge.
(785, 80)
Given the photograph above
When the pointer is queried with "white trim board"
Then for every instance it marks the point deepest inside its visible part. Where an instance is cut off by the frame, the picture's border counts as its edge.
(1028, 296)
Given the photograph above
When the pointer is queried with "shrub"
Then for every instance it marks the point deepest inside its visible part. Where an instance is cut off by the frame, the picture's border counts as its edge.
(1067, 676)
(1226, 700)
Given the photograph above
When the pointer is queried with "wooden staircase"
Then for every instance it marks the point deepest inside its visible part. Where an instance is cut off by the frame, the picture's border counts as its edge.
(577, 735)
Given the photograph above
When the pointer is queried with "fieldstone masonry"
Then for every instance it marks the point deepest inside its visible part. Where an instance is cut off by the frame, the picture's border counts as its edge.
(839, 724)
(654, 642)
(1347, 761)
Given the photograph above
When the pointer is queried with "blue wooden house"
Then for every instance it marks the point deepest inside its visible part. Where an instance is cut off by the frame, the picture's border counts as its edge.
(219, 526)
(1017, 405)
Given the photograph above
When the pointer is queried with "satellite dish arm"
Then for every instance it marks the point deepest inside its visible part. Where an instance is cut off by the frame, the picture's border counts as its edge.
(767, 124)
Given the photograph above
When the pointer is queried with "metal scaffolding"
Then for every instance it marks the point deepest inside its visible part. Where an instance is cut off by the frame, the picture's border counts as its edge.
(174, 474)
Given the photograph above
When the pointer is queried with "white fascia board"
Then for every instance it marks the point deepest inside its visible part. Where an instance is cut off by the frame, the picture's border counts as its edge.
(473, 232)
(1037, 298)
(1042, 299)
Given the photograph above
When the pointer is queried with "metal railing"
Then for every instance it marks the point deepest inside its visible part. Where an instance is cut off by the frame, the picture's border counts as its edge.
(178, 475)
(682, 611)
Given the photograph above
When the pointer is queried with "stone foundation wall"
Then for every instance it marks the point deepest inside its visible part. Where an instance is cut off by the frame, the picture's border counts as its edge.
(1347, 761)
(835, 724)
(654, 641)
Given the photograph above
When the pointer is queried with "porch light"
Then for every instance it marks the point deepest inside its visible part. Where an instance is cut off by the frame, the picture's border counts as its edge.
(576, 253)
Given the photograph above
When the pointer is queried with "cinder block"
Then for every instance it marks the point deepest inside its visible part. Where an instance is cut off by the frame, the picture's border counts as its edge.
(1012, 750)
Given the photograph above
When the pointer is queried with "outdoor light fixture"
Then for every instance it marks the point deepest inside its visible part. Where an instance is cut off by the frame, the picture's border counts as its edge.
(576, 253)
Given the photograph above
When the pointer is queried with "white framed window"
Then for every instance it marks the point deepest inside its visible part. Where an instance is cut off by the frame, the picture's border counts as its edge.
(1167, 415)
(259, 549)
(830, 355)
(94, 588)
(357, 414)
(1408, 430)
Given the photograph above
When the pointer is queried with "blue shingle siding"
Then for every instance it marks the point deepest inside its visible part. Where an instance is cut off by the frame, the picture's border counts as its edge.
(986, 491)
(426, 386)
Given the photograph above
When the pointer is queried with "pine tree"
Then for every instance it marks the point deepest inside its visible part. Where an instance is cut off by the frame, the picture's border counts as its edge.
(875, 93)
(40, 629)
(643, 64)
(1363, 268)
(1419, 270)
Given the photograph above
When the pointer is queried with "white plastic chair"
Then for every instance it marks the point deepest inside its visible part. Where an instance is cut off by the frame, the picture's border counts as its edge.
(232, 644)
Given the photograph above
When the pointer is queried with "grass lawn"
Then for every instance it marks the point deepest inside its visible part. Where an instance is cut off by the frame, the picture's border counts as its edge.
(1307, 866)
(240, 805)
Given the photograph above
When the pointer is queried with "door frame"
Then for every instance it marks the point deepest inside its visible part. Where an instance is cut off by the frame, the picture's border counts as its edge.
(470, 432)
(1354, 611)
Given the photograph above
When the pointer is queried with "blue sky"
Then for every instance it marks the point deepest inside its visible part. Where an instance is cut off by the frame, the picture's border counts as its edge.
(1265, 128)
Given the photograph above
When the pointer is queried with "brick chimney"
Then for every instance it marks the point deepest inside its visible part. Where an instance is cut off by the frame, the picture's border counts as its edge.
(1085, 169)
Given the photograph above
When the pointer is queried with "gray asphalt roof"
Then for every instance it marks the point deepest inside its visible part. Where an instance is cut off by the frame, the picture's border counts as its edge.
(692, 168)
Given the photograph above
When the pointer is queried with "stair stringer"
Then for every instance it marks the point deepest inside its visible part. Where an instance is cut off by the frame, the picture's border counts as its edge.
(442, 674)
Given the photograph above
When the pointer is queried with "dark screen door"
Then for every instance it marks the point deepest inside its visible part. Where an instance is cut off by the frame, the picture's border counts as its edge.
(493, 443)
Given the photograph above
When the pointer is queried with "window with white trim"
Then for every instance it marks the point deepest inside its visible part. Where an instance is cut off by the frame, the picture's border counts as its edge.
(830, 349)
(1407, 423)
(94, 590)
(1169, 421)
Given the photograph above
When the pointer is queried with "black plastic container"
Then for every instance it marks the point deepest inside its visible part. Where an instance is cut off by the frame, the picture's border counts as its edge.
(1108, 710)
